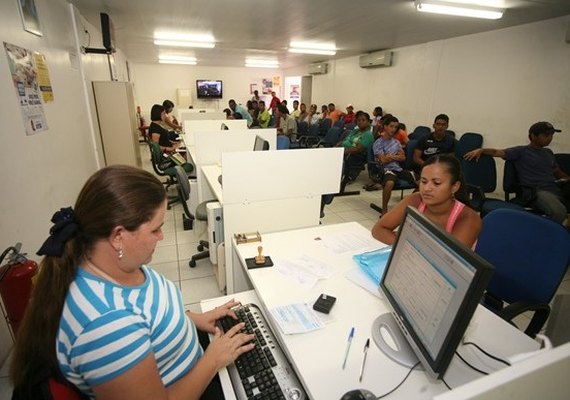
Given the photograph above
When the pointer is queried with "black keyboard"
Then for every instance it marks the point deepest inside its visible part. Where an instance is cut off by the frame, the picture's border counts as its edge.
(264, 372)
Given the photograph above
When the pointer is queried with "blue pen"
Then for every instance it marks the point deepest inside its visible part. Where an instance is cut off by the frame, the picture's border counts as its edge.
(350, 336)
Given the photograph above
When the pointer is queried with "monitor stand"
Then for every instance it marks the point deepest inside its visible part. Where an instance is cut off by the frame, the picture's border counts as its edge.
(403, 354)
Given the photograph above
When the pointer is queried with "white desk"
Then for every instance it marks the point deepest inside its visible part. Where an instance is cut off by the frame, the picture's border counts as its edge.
(317, 356)
(212, 173)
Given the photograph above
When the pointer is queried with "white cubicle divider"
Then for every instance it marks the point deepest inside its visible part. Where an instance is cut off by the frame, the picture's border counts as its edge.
(193, 126)
(209, 146)
(269, 191)
(235, 123)
(200, 114)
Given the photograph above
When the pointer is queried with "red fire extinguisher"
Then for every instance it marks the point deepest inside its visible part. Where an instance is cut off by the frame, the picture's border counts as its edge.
(16, 284)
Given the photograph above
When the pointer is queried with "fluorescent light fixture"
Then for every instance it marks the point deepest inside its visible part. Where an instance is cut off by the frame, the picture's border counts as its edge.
(463, 10)
(328, 49)
(183, 40)
(177, 62)
(173, 57)
(261, 63)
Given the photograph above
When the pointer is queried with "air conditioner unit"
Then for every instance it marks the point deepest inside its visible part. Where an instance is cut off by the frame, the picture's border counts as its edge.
(376, 59)
(316, 69)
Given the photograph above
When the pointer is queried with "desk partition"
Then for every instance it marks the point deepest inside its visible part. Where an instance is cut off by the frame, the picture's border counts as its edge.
(271, 191)
(200, 114)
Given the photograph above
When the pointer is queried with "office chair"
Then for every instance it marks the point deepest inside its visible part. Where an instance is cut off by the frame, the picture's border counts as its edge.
(339, 123)
(563, 161)
(325, 125)
(310, 138)
(203, 245)
(375, 173)
(331, 138)
(481, 178)
(349, 127)
(283, 142)
(530, 255)
(467, 142)
(419, 132)
(522, 195)
(302, 128)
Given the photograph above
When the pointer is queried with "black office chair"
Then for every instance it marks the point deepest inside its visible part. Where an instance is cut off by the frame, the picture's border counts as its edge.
(530, 255)
(563, 161)
(203, 245)
(521, 195)
(467, 142)
(324, 125)
(331, 138)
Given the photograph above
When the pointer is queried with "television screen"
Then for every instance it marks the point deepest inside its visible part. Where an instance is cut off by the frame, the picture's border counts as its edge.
(433, 285)
(207, 89)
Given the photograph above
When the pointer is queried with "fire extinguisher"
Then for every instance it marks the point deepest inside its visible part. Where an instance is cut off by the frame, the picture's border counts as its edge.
(16, 284)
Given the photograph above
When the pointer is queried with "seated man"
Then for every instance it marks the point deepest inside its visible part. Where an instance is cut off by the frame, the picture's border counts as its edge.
(350, 116)
(263, 117)
(388, 153)
(356, 145)
(334, 114)
(287, 124)
(537, 168)
(437, 142)
(238, 109)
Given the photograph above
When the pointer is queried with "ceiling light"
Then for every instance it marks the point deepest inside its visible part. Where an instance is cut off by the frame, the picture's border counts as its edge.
(463, 10)
(177, 62)
(328, 49)
(261, 63)
(184, 40)
(172, 57)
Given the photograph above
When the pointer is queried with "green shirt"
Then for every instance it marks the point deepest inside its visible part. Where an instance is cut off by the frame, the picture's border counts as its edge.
(263, 118)
(358, 137)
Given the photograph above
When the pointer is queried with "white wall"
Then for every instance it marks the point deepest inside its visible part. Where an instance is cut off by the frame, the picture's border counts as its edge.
(157, 82)
(497, 83)
(44, 172)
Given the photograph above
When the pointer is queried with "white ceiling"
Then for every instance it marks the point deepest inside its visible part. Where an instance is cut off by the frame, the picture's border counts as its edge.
(264, 28)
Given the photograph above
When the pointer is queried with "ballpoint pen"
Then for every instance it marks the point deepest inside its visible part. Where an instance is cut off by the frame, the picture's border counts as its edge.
(366, 346)
(350, 336)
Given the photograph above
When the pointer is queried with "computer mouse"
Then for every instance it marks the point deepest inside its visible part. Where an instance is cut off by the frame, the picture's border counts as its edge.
(359, 394)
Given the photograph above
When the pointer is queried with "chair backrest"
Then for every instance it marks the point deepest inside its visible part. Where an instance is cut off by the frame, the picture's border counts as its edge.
(372, 166)
(410, 147)
(563, 161)
(510, 180)
(481, 173)
(339, 123)
(350, 126)
(283, 142)
(332, 137)
(302, 127)
(325, 125)
(183, 186)
(419, 132)
(530, 255)
(314, 130)
(467, 142)
(155, 157)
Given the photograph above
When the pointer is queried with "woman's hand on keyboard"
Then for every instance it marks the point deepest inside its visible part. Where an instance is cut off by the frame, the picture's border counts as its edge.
(226, 347)
(207, 321)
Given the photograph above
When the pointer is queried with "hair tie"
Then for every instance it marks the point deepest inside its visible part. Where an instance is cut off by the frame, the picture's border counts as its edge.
(64, 227)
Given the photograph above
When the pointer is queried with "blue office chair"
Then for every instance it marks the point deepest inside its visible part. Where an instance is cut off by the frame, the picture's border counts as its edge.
(311, 138)
(331, 138)
(283, 142)
(325, 125)
(302, 128)
(349, 127)
(521, 195)
(339, 123)
(467, 142)
(419, 132)
(481, 178)
(530, 255)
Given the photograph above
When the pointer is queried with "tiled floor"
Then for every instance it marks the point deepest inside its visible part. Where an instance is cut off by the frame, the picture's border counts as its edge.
(173, 253)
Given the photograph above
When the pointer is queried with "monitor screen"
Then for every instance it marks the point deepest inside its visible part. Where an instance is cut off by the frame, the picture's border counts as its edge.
(260, 144)
(208, 89)
(433, 285)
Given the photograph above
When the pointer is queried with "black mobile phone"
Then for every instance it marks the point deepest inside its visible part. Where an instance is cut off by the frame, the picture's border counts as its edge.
(324, 303)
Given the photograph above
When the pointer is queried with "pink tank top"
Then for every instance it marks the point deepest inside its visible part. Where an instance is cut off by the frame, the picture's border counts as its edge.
(457, 208)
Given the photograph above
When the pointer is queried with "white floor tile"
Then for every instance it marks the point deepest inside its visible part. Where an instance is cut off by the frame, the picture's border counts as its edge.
(352, 215)
(164, 254)
(195, 290)
(169, 269)
(202, 269)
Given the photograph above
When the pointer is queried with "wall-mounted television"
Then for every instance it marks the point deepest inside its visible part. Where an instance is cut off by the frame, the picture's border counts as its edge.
(209, 89)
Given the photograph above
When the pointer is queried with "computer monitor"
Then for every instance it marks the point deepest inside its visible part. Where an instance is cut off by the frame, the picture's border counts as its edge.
(433, 285)
(260, 144)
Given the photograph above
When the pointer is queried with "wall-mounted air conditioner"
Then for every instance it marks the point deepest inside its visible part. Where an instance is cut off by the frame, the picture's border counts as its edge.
(316, 69)
(376, 59)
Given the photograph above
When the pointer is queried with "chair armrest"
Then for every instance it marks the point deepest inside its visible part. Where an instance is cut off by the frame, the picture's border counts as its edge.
(541, 313)
(476, 196)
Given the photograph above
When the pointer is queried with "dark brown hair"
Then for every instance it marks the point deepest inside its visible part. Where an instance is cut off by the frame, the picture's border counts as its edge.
(114, 196)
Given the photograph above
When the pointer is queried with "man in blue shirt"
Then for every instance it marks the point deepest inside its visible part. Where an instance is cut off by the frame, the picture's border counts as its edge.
(437, 142)
(236, 108)
(537, 168)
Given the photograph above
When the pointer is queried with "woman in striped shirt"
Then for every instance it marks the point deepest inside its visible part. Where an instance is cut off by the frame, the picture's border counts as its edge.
(101, 319)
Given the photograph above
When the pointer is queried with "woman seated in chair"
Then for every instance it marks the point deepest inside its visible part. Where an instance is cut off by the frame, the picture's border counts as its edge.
(102, 319)
(442, 198)
(356, 145)
(157, 133)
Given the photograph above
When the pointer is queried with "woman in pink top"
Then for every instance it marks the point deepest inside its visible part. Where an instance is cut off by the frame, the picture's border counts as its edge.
(441, 198)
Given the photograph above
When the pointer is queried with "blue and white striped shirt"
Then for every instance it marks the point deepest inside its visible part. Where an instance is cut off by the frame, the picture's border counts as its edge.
(106, 329)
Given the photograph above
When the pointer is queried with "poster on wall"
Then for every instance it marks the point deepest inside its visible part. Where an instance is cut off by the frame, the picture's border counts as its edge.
(44, 80)
(30, 18)
(294, 92)
(24, 76)
(267, 86)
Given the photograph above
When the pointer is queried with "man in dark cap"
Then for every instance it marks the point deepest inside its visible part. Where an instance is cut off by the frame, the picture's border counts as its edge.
(536, 168)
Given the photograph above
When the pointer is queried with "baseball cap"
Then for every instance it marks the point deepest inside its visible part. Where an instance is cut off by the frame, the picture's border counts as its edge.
(542, 127)
(349, 106)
